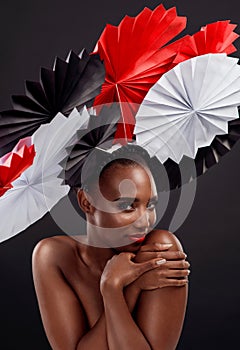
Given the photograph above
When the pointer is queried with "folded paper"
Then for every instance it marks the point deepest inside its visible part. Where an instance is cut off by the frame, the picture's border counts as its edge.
(93, 143)
(217, 37)
(189, 106)
(70, 84)
(135, 55)
(38, 189)
(14, 163)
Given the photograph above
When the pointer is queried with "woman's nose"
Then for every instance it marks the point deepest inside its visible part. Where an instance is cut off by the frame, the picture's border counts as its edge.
(143, 221)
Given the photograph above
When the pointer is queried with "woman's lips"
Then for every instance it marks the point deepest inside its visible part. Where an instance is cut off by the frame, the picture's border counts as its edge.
(137, 238)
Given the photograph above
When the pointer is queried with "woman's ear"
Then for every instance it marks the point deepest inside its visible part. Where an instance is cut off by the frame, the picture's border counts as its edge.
(84, 201)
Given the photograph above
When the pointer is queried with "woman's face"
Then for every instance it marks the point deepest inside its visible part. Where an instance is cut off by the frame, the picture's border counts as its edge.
(124, 208)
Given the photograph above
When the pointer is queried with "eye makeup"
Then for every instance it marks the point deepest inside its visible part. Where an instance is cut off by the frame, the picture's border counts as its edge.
(129, 204)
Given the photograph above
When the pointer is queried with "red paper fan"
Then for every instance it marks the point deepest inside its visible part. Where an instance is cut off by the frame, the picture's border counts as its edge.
(14, 163)
(215, 37)
(135, 57)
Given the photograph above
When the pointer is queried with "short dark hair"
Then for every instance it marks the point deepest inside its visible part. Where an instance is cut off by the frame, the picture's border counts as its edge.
(129, 155)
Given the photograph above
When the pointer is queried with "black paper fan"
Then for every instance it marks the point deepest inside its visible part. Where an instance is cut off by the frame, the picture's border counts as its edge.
(222, 144)
(70, 84)
(91, 146)
(206, 157)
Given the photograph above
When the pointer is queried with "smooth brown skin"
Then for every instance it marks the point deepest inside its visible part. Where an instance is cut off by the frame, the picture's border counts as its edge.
(113, 298)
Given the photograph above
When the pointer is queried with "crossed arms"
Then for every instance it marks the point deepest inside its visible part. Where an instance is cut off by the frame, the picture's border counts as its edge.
(156, 292)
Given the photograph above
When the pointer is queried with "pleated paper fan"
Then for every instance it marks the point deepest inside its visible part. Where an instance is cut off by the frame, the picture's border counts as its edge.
(38, 189)
(98, 139)
(189, 106)
(217, 37)
(206, 157)
(13, 164)
(136, 54)
(221, 145)
(70, 84)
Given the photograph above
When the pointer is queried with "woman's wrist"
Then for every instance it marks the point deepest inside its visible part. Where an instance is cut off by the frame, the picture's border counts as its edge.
(108, 286)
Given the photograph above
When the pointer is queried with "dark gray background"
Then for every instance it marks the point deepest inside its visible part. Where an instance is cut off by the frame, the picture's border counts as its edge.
(31, 34)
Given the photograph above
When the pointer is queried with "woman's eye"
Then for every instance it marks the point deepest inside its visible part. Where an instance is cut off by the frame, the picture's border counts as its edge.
(151, 206)
(129, 206)
(125, 206)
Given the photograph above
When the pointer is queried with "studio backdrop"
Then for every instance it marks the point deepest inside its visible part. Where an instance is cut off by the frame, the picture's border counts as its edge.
(32, 34)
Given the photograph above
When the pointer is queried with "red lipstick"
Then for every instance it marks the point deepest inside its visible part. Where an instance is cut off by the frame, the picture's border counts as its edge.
(137, 238)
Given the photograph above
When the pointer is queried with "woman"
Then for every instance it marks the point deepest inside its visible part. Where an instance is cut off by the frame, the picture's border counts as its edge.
(124, 284)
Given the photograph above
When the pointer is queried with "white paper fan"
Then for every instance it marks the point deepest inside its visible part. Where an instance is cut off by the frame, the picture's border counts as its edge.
(38, 189)
(189, 106)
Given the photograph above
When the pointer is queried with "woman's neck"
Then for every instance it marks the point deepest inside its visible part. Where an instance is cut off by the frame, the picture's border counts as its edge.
(95, 257)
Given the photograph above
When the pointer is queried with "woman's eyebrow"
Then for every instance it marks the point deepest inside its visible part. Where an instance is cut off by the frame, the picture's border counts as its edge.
(133, 199)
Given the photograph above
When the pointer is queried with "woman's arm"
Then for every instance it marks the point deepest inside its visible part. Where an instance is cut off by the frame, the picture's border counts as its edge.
(61, 310)
(160, 312)
(153, 279)
(122, 331)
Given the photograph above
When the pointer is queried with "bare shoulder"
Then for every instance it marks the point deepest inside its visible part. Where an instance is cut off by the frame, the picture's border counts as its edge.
(163, 236)
(54, 251)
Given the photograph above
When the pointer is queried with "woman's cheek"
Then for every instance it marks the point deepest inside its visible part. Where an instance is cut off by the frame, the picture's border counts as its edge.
(116, 220)
(152, 217)
(125, 219)
(128, 218)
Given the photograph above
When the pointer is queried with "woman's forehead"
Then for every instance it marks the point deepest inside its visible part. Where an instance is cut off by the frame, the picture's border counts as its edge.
(133, 181)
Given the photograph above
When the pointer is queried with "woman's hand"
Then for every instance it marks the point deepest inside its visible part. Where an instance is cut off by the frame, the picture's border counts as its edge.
(120, 270)
(173, 273)
(158, 250)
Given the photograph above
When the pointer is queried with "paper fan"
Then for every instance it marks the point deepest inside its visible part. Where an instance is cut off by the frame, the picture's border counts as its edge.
(38, 189)
(71, 84)
(189, 106)
(222, 144)
(217, 37)
(100, 137)
(14, 163)
(206, 157)
(135, 55)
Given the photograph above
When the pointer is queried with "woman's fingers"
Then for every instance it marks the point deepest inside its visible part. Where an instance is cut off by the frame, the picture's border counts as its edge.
(168, 255)
(161, 277)
(150, 265)
(164, 271)
(174, 273)
(155, 247)
(156, 272)
(173, 255)
(175, 282)
(177, 264)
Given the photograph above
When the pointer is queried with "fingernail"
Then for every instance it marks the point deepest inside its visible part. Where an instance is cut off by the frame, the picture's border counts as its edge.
(160, 262)
(164, 244)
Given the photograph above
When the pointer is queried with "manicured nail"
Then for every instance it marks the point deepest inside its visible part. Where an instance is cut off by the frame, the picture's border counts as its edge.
(160, 262)
(164, 244)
